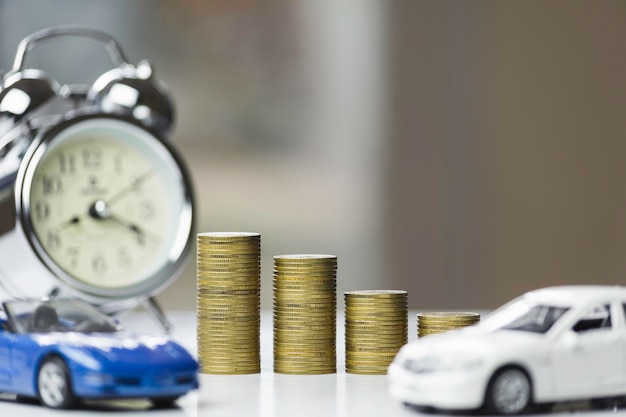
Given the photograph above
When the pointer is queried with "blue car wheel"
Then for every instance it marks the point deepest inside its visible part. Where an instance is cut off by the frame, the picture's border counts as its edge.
(54, 385)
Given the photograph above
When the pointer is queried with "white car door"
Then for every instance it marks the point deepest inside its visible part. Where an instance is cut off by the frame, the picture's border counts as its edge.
(588, 358)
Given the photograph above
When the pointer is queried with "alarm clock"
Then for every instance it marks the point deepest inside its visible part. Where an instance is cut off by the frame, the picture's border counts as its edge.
(94, 200)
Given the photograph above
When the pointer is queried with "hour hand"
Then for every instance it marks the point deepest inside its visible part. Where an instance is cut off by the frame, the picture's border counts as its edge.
(69, 222)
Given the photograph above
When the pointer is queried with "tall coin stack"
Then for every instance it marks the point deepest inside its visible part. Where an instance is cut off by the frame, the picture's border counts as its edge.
(376, 328)
(305, 310)
(228, 302)
(439, 322)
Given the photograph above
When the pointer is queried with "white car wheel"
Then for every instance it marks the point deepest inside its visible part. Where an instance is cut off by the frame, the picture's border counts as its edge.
(509, 392)
(53, 384)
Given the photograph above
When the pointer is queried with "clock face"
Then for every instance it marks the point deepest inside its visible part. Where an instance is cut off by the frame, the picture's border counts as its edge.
(107, 205)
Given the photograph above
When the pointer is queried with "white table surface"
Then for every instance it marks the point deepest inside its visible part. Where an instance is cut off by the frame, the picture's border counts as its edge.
(264, 394)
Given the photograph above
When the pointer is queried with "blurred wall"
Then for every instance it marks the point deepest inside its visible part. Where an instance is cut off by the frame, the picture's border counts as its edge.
(507, 148)
(281, 112)
(465, 151)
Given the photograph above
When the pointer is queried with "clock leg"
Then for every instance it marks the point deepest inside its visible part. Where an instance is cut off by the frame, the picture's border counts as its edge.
(153, 307)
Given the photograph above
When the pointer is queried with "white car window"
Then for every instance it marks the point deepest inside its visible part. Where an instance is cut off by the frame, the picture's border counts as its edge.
(524, 315)
(595, 318)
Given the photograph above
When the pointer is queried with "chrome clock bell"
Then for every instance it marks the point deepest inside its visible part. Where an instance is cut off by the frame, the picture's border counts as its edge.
(94, 201)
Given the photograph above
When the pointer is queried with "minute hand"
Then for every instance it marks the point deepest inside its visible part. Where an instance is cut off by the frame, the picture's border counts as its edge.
(129, 188)
(140, 232)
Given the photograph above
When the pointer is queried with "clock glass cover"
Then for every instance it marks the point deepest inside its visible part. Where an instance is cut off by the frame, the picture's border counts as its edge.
(106, 205)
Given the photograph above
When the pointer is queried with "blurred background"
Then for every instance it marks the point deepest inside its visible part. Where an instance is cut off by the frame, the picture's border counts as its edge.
(464, 151)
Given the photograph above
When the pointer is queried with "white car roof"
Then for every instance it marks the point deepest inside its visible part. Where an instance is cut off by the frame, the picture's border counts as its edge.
(574, 295)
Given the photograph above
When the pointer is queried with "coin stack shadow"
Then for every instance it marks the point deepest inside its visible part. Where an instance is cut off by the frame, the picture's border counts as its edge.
(305, 314)
(228, 303)
(441, 321)
(376, 328)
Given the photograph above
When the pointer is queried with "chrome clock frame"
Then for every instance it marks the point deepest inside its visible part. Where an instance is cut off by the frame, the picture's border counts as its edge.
(33, 109)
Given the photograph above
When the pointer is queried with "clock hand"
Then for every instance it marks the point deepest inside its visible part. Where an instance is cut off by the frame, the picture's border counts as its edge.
(66, 223)
(99, 210)
(129, 188)
(140, 232)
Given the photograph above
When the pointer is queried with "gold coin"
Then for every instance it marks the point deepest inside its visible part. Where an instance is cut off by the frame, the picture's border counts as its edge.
(229, 282)
(371, 347)
(235, 325)
(242, 248)
(357, 308)
(288, 371)
(328, 313)
(375, 314)
(304, 276)
(377, 336)
(299, 270)
(386, 352)
(448, 315)
(305, 257)
(209, 271)
(250, 305)
(219, 256)
(229, 371)
(228, 235)
(304, 293)
(304, 355)
(304, 366)
(355, 335)
(319, 297)
(446, 326)
(226, 300)
(292, 305)
(229, 319)
(225, 352)
(376, 293)
(308, 282)
(226, 364)
(222, 255)
(359, 371)
(383, 352)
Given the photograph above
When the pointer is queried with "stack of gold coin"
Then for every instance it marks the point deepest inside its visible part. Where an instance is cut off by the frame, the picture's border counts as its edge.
(439, 322)
(305, 314)
(228, 301)
(376, 328)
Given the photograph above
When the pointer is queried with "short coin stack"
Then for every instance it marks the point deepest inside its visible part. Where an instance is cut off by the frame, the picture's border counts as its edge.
(228, 268)
(438, 322)
(376, 328)
(305, 314)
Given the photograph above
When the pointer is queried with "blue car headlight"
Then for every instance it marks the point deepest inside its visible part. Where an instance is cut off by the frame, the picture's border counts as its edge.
(97, 379)
(448, 363)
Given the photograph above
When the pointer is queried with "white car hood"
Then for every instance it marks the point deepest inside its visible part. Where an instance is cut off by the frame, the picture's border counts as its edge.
(474, 341)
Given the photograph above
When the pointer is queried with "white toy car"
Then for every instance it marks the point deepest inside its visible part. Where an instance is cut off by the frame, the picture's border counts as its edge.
(551, 345)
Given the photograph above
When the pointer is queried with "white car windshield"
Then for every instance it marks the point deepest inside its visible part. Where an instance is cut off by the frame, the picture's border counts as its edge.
(523, 315)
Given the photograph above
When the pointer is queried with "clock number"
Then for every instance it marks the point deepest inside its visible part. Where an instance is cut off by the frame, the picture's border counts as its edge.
(51, 184)
(53, 241)
(73, 254)
(146, 209)
(67, 164)
(118, 164)
(42, 210)
(98, 263)
(123, 258)
(92, 157)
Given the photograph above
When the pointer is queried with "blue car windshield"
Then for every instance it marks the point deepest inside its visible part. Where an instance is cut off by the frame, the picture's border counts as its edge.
(57, 315)
(525, 316)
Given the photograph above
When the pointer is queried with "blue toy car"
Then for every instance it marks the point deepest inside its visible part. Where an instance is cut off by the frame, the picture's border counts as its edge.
(64, 350)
